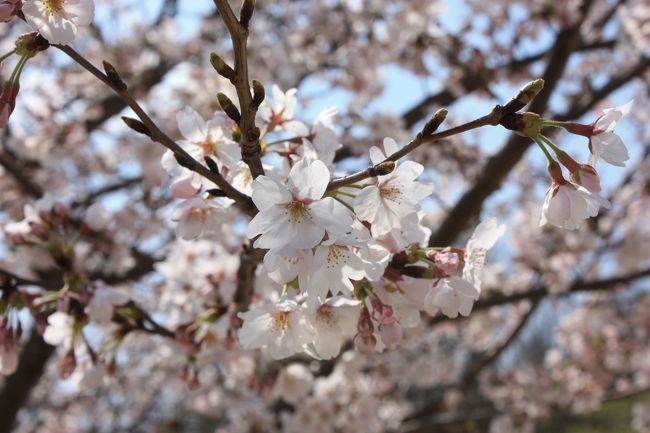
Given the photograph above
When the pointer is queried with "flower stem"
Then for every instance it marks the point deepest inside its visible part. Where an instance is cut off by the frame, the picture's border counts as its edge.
(552, 145)
(343, 203)
(554, 123)
(540, 143)
(5, 56)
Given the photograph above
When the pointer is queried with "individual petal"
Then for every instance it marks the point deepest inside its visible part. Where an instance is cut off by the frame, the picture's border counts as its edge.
(308, 179)
(268, 192)
(331, 215)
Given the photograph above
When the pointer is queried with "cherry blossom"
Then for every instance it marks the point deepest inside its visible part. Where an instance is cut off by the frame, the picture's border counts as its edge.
(58, 20)
(294, 383)
(394, 197)
(60, 330)
(568, 205)
(202, 139)
(333, 321)
(279, 328)
(296, 214)
(198, 217)
(604, 144)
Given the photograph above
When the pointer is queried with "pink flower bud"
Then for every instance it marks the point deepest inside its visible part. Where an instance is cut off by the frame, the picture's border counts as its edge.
(364, 326)
(381, 312)
(447, 261)
(7, 102)
(183, 188)
(365, 345)
(9, 9)
(391, 334)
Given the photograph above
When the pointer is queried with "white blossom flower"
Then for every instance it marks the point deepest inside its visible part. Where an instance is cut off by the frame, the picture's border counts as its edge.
(202, 139)
(394, 196)
(296, 214)
(321, 140)
(198, 217)
(60, 330)
(286, 263)
(485, 235)
(458, 288)
(452, 295)
(603, 143)
(294, 383)
(333, 321)
(279, 328)
(58, 20)
(335, 264)
(280, 112)
(567, 205)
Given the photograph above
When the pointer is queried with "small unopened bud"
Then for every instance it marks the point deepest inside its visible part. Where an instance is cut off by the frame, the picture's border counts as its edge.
(113, 76)
(228, 107)
(391, 334)
(525, 96)
(136, 125)
(258, 93)
(384, 168)
(221, 66)
(364, 325)
(365, 344)
(246, 12)
(434, 123)
(8, 101)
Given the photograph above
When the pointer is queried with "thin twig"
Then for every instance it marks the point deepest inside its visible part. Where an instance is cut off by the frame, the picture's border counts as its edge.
(242, 200)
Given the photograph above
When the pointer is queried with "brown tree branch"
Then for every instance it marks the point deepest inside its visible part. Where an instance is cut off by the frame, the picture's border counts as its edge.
(242, 200)
(250, 145)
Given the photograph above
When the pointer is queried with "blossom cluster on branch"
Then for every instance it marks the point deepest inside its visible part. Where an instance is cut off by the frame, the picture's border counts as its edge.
(229, 237)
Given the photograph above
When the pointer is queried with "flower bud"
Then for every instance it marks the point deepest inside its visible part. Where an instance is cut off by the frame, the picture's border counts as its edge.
(391, 334)
(9, 9)
(365, 345)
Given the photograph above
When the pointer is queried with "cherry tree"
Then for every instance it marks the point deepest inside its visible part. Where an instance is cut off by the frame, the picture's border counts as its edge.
(194, 239)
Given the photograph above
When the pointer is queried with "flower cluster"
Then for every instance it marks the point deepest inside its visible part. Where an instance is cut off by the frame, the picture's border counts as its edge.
(568, 203)
(335, 254)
